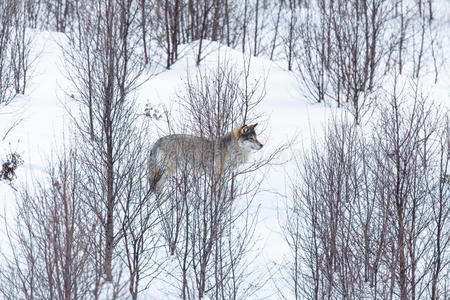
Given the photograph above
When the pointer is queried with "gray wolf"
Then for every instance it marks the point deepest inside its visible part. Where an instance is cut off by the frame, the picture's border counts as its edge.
(199, 153)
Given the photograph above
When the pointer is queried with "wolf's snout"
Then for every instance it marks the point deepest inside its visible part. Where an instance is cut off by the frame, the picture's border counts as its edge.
(258, 146)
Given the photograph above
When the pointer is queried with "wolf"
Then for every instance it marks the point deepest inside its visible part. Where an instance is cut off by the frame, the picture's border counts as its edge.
(199, 153)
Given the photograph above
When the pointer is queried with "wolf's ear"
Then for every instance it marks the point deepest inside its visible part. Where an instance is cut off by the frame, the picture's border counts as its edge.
(252, 126)
(244, 128)
(240, 131)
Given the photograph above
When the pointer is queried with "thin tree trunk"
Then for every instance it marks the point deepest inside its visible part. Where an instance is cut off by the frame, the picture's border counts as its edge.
(144, 30)
(166, 21)
(255, 45)
(202, 32)
(244, 28)
(108, 130)
(274, 44)
(215, 27)
(227, 21)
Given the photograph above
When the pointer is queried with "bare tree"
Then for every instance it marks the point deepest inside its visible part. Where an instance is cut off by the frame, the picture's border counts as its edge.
(313, 55)
(245, 25)
(291, 39)
(415, 33)
(355, 76)
(324, 229)
(172, 13)
(343, 51)
(138, 212)
(255, 37)
(410, 149)
(147, 26)
(206, 8)
(6, 81)
(15, 45)
(50, 249)
(104, 73)
(56, 244)
(15, 63)
(359, 221)
(59, 14)
(234, 23)
(438, 186)
(276, 30)
(20, 52)
(206, 217)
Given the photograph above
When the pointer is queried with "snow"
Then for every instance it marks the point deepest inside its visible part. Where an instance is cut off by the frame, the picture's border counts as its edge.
(43, 124)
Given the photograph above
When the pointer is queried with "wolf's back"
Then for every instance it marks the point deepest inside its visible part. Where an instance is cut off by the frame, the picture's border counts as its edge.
(182, 147)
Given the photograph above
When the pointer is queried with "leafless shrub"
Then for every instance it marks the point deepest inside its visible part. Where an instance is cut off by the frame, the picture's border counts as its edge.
(230, 22)
(343, 49)
(292, 35)
(105, 68)
(49, 246)
(439, 189)
(214, 103)
(7, 10)
(312, 55)
(359, 221)
(21, 47)
(323, 228)
(218, 235)
(56, 15)
(15, 45)
(408, 139)
(137, 211)
(417, 51)
(206, 216)
(183, 21)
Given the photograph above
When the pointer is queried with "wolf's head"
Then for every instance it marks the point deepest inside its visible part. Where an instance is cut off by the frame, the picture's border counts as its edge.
(246, 136)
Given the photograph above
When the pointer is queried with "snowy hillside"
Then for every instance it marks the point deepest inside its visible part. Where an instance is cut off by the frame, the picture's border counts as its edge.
(42, 124)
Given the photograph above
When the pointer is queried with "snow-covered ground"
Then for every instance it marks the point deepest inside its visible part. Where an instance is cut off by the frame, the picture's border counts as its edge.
(41, 124)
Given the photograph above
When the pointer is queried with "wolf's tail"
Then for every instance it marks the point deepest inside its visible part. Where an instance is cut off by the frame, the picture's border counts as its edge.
(155, 171)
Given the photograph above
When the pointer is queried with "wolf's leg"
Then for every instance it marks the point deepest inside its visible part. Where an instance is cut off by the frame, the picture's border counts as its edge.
(161, 172)
(162, 179)
(155, 174)
(168, 170)
(154, 178)
(160, 182)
